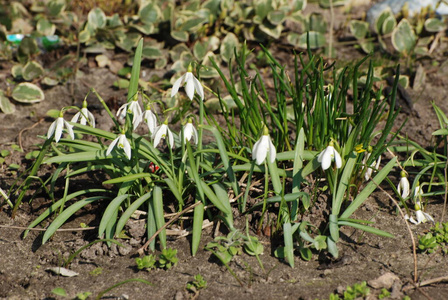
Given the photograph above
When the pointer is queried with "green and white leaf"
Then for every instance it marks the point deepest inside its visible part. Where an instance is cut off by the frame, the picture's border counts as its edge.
(26, 92)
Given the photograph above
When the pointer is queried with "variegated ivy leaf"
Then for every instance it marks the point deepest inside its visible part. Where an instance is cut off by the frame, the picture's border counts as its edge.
(96, 18)
(151, 52)
(45, 27)
(403, 37)
(56, 7)
(17, 71)
(316, 22)
(149, 13)
(26, 92)
(388, 25)
(181, 36)
(228, 46)
(378, 26)
(32, 70)
(328, 3)
(5, 105)
(177, 51)
(272, 30)
(434, 25)
(359, 29)
(276, 17)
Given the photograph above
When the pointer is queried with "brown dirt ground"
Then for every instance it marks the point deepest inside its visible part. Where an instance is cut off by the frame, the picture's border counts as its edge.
(23, 262)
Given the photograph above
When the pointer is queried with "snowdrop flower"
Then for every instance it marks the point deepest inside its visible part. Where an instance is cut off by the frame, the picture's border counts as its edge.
(403, 187)
(150, 119)
(373, 165)
(192, 84)
(57, 126)
(262, 147)
(132, 107)
(190, 132)
(421, 216)
(161, 132)
(328, 155)
(84, 116)
(121, 142)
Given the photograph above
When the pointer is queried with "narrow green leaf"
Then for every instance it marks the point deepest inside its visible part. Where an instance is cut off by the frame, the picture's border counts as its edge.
(289, 247)
(365, 228)
(67, 213)
(130, 177)
(109, 213)
(365, 193)
(135, 73)
(222, 195)
(129, 211)
(157, 203)
(338, 198)
(198, 218)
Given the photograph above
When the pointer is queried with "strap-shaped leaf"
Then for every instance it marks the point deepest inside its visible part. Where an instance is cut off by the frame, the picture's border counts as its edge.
(67, 213)
(129, 211)
(110, 211)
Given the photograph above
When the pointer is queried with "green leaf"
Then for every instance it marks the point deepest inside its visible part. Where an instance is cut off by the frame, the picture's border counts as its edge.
(157, 205)
(67, 213)
(96, 18)
(130, 177)
(316, 40)
(328, 3)
(135, 73)
(289, 247)
(386, 13)
(151, 52)
(371, 186)
(32, 70)
(150, 13)
(59, 291)
(434, 25)
(6, 106)
(26, 92)
(129, 211)
(56, 7)
(181, 36)
(365, 228)
(45, 27)
(276, 17)
(403, 37)
(359, 29)
(388, 25)
(228, 46)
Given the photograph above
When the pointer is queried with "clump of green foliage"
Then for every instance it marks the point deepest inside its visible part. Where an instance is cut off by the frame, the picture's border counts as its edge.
(167, 260)
(438, 237)
(197, 284)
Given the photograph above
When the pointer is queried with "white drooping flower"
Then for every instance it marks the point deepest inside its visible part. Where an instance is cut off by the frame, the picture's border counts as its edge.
(84, 116)
(420, 215)
(191, 84)
(373, 166)
(57, 126)
(403, 186)
(190, 132)
(121, 142)
(262, 147)
(132, 107)
(328, 155)
(150, 119)
(161, 132)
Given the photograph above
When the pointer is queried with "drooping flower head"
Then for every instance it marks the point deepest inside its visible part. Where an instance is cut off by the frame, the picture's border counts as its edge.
(191, 84)
(262, 147)
(122, 143)
(150, 119)
(328, 155)
(84, 116)
(403, 186)
(421, 216)
(373, 166)
(57, 126)
(190, 132)
(131, 107)
(161, 132)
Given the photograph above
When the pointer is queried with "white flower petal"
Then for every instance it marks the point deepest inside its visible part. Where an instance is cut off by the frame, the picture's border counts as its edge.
(325, 158)
(124, 144)
(58, 130)
(51, 129)
(76, 117)
(189, 87)
(112, 145)
(158, 134)
(177, 85)
(69, 129)
(337, 158)
(198, 87)
(150, 119)
(170, 137)
(121, 113)
(403, 187)
(272, 151)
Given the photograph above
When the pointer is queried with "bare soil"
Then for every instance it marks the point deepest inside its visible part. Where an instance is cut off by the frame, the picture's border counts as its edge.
(364, 257)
